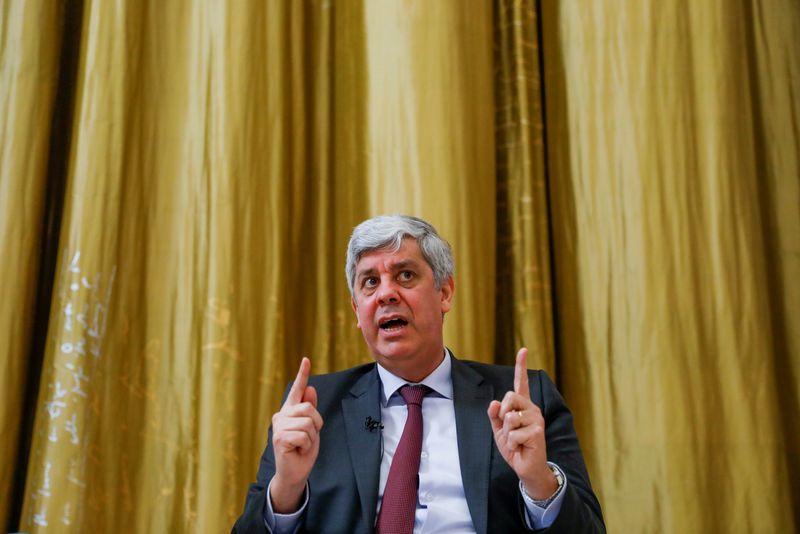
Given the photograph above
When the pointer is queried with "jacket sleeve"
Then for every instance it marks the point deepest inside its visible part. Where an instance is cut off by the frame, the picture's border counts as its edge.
(252, 519)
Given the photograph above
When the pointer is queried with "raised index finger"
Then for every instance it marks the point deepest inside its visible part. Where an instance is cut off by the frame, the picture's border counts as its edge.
(299, 386)
(521, 374)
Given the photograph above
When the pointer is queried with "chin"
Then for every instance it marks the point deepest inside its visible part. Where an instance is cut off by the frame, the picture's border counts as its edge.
(393, 354)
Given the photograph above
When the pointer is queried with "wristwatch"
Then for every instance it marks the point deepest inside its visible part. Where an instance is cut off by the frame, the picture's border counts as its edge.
(545, 503)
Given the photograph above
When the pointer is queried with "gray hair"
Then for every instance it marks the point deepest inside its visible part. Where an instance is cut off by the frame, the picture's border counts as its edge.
(386, 232)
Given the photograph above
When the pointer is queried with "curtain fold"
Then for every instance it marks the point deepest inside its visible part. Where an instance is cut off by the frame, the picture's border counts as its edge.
(524, 312)
(30, 46)
(675, 183)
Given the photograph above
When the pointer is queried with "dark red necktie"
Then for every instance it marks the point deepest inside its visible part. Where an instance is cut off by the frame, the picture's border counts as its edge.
(399, 502)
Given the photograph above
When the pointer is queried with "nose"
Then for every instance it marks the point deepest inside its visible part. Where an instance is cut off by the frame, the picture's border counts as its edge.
(387, 294)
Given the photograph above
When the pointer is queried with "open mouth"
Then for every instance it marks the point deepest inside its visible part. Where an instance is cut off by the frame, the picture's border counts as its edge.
(392, 325)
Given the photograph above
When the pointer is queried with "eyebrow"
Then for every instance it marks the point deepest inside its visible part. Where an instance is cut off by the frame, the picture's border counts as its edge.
(403, 264)
(399, 266)
(365, 272)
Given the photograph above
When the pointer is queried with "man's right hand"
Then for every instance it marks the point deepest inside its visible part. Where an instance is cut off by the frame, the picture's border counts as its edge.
(295, 438)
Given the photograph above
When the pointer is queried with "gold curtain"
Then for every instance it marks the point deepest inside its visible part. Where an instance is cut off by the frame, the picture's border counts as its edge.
(219, 153)
(524, 312)
(198, 257)
(673, 137)
(30, 38)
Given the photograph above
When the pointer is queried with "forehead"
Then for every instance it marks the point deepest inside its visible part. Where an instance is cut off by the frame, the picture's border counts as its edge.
(409, 253)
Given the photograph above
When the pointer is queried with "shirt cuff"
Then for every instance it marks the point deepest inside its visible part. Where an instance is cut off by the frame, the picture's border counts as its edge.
(537, 517)
(284, 523)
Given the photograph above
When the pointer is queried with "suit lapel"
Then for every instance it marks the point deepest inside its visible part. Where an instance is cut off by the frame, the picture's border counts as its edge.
(471, 397)
(364, 445)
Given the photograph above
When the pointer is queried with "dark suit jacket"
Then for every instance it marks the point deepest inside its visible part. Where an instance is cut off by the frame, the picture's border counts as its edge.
(343, 484)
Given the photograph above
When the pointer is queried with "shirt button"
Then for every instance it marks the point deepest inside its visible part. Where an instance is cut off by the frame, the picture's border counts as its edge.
(428, 496)
(423, 454)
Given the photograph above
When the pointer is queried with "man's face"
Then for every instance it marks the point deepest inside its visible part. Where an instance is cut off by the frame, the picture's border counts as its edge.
(399, 310)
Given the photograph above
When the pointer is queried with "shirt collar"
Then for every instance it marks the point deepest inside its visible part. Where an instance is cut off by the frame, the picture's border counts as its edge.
(439, 380)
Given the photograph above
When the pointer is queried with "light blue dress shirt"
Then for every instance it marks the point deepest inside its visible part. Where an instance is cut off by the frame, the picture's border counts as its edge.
(441, 505)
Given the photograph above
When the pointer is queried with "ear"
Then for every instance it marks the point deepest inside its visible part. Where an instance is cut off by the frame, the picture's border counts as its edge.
(446, 294)
(355, 310)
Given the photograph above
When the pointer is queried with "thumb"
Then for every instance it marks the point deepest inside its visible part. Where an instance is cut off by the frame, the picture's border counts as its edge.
(494, 412)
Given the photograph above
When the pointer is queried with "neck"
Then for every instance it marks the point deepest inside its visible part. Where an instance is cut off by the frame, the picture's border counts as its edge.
(417, 374)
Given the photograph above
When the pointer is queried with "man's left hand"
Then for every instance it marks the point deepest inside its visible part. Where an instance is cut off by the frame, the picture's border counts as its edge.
(518, 428)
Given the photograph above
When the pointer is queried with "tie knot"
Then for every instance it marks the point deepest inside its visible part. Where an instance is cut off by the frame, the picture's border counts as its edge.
(414, 394)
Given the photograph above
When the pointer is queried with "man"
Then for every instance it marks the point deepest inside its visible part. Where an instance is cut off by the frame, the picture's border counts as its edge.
(418, 441)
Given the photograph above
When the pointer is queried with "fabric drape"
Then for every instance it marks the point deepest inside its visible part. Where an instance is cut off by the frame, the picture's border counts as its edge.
(674, 136)
(619, 181)
(30, 39)
(524, 312)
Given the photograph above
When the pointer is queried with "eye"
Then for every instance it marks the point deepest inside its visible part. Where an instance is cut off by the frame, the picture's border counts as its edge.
(370, 281)
(405, 276)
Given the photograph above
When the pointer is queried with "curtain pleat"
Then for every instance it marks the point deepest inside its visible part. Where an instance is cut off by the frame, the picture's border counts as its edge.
(524, 312)
(30, 42)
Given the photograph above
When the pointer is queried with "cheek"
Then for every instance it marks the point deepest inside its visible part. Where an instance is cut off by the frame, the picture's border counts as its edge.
(433, 314)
